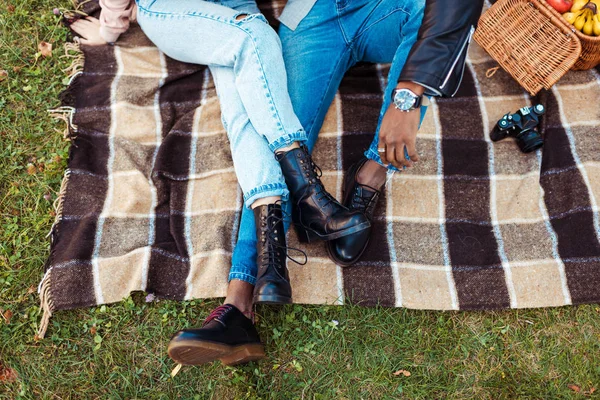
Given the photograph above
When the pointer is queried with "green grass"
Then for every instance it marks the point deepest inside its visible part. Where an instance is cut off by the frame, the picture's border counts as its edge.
(118, 351)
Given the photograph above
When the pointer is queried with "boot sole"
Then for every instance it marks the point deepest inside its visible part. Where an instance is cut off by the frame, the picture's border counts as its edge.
(343, 263)
(193, 352)
(272, 299)
(306, 235)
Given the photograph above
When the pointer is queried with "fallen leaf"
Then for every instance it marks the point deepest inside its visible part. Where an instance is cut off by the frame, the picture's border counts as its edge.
(93, 330)
(7, 374)
(31, 169)
(31, 289)
(10, 8)
(575, 388)
(3, 75)
(176, 370)
(592, 390)
(7, 316)
(402, 372)
(45, 49)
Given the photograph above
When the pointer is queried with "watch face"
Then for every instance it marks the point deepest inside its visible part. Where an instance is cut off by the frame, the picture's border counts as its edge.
(404, 99)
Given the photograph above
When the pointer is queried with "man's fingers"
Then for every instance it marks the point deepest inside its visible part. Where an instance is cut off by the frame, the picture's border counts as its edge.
(400, 160)
(393, 156)
(382, 154)
(412, 151)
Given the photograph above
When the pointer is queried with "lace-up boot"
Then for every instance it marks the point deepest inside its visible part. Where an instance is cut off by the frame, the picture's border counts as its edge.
(226, 335)
(347, 250)
(272, 281)
(315, 213)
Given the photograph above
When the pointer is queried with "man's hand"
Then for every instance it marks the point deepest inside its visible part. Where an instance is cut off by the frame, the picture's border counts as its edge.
(398, 131)
(89, 31)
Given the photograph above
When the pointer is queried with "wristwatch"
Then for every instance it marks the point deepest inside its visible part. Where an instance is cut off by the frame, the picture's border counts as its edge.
(406, 100)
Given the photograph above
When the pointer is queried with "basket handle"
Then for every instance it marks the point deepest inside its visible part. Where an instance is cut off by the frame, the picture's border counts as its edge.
(556, 18)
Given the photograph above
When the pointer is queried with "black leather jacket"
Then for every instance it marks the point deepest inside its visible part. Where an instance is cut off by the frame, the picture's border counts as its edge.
(437, 59)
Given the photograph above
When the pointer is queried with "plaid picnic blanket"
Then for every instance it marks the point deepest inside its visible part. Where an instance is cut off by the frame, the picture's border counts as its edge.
(150, 200)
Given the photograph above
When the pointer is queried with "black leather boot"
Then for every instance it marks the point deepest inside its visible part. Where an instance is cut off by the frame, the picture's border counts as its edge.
(315, 213)
(226, 335)
(272, 281)
(347, 250)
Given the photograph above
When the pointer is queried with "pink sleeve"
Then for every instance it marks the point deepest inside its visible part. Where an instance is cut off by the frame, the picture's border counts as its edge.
(114, 18)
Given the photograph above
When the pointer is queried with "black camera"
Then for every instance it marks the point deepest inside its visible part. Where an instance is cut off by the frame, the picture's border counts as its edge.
(521, 125)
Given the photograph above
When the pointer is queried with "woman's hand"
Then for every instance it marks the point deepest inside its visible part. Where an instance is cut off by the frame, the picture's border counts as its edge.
(88, 30)
(399, 131)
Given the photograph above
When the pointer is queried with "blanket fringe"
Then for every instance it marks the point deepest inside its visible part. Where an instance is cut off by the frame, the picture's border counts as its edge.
(73, 51)
(46, 304)
(64, 113)
(59, 202)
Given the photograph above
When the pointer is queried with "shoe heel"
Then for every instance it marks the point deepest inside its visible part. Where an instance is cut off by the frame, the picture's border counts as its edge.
(244, 354)
(306, 236)
(272, 299)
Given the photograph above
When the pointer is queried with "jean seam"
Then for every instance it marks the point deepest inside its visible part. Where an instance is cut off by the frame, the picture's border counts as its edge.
(286, 140)
(265, 188)
(381, 19)
(268, 89)
(329, 80)
(240, 275)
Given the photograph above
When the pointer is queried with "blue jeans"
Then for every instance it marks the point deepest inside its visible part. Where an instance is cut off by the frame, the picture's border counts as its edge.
(245, 59)
(333, 37)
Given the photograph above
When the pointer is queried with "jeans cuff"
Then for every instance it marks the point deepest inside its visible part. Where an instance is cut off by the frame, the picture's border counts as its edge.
(374, 156)
(287, 140)
(272, 189)
(241, 276)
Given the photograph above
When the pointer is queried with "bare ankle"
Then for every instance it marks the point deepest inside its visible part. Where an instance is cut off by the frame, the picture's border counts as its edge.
(372, 174)
(292, 146)
(239, 294)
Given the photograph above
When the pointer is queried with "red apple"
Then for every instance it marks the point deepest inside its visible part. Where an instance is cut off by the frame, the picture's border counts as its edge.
(562, 6)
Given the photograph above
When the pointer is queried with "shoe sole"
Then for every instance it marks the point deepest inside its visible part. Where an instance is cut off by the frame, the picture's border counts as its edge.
(306, 235)
(194, 352)
(272, 299)
(344, 264)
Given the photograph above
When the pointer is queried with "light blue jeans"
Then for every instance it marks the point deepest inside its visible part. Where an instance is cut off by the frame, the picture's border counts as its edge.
(333, 37)
(245, 60)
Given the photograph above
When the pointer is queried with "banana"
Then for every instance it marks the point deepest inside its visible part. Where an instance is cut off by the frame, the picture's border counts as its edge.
(578, 5)
(596, 27)
(570, 17)
(580, 22)
(588, 27)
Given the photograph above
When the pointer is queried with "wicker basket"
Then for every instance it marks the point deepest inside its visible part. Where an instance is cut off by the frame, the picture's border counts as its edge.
(590, 46)
(530, 41)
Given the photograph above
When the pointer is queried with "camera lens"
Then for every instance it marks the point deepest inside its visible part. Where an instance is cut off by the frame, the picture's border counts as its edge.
(529, 141)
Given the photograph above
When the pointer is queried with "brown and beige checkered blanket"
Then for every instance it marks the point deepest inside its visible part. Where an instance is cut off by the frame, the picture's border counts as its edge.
(150, 200)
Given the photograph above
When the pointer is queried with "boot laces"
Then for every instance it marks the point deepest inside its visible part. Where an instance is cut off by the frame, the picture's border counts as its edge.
(272, 246)
(217, 313)
(362, 203)
(314, 173)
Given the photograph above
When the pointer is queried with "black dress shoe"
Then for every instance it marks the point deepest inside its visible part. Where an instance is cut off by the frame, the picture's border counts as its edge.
(315, 213)
(226, 335)
(272, 281)
(348, 250)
